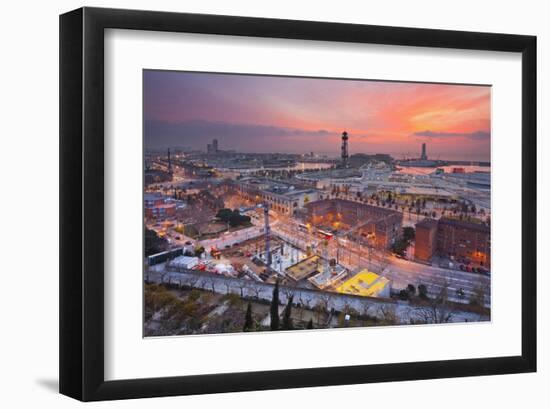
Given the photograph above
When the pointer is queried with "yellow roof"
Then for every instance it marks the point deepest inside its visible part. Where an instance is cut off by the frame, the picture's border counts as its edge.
(364, 283)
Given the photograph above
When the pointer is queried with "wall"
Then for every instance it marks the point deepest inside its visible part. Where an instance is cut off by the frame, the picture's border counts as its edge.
(28, 165)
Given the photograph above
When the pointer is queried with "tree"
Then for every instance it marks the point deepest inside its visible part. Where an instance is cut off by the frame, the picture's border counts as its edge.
(212, 282)
(404, 295)
(399, 247)
(153, 243)
(437, 309)
(248, 321)
(227, 285)
(274, 311)
(199, 250)
(478, 297)
(388, 313)
(423, 291)
(237, 219)
(257, 290)
(408, 233)
(190, 231)
(242, 284)
(287, 318)
(233, 217)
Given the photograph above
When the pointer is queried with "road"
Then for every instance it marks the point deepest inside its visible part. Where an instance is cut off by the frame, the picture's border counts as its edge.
(356, 256)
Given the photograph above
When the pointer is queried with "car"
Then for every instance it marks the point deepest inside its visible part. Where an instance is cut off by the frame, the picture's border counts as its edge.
(484, 271)
(258, 261)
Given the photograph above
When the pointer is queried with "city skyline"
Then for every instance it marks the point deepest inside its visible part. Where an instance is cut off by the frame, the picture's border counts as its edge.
(249, 113)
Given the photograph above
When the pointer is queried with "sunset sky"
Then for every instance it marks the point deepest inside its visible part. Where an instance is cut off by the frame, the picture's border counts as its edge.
(281, 114)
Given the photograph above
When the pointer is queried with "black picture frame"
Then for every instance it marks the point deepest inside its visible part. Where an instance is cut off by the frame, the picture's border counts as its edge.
(82, 200)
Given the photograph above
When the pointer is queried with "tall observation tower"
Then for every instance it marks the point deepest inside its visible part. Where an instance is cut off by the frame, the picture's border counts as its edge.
(345, 155)
(169, 162)
(423, 155)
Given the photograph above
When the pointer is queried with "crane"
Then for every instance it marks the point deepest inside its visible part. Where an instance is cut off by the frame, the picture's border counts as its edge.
(267, 229)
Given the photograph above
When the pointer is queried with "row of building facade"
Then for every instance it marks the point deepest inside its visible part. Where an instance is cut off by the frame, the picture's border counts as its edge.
(383, 226)
(282, 198)
(453, 238)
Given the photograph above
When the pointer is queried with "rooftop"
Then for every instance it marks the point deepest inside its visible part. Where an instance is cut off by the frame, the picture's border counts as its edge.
(465, 224)
(428, 223)
(276, 187)
(364, 283)
(304, 268)
(348, 205)
(152, 196)
(328, 277)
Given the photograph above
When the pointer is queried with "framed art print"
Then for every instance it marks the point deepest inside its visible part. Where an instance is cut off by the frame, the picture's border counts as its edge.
(256, 204)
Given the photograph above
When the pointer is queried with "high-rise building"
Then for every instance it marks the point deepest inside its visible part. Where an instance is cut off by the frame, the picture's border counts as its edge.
(423, 156)
(345, 155)
(212, 148)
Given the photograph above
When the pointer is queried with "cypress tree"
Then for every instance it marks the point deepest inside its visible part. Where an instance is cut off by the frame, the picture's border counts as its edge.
(275, 308)
(248, 322)
(287, 319)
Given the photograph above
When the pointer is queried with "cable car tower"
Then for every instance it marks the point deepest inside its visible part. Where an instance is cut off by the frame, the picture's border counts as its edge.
(345, 155)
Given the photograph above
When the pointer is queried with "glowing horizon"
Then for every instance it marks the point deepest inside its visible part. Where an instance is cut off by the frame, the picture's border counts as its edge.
(252, 113)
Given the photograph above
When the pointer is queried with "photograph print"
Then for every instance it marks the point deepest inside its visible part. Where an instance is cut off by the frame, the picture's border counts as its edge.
(276, 203)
